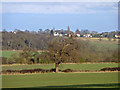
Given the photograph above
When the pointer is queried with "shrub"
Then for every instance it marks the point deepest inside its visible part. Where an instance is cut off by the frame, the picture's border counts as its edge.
(4, 60)
(67, 70)
(28, 71)
(111, 69)
(52, 70)
(11, 62)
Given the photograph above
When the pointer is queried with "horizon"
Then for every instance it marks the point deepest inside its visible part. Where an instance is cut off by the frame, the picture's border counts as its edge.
(56, 30)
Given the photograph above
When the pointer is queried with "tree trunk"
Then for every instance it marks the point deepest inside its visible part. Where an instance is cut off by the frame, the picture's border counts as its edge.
(56, 67)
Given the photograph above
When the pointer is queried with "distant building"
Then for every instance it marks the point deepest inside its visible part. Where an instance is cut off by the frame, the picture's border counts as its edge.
(56, 34)
(14, 32)
(77, 34)
(65, 34)
(117, 36)
(87, 35)
(60, 35)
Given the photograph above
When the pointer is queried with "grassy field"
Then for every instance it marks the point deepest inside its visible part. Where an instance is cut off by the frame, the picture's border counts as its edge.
(106, 39)
(102, 45)
(64, 80)
(61, 80)
(8, 53)
(95, 66)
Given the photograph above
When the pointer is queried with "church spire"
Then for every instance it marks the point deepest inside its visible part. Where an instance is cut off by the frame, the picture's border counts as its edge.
(68, 30)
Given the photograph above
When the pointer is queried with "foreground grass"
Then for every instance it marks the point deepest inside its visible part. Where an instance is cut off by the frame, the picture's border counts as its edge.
(61, 80)
(95, 66)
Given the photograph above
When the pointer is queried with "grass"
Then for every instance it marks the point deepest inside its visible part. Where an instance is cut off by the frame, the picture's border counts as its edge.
(103, 45)
(61, 80)
(106, 39)
(8, 53)
(64, 80)
(95, 66)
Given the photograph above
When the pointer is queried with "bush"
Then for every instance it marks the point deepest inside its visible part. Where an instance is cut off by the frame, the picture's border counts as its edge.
(111, 69)
(28, 71)
(11, 62)
(4, 60)
(52, 70)
(68, 70)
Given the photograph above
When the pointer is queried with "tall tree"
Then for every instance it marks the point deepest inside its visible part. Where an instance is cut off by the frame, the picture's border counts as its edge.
(52, 32)
(40, 31)
(63, 49)
(77, 31)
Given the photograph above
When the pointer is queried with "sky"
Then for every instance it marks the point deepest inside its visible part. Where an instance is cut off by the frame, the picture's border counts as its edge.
(94, 16)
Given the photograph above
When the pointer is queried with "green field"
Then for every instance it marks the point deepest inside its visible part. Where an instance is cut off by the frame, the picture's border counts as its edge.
(61, 80)
(102, 45)
(64, 80)
(95, 66)
(8, 53)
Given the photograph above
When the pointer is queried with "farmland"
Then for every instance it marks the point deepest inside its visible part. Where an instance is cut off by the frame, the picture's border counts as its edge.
(61, 80)
(8, 53)
(102, 45)
(65, 80)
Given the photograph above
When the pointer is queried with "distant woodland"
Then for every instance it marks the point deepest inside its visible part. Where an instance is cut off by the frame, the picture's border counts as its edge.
(100, 51)
(22, 40)
(19, 40)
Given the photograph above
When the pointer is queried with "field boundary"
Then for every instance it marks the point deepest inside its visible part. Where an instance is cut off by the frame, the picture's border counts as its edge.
(54, 63)
(62, 72)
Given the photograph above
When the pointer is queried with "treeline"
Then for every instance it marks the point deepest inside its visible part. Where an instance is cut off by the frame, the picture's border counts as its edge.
(87, 53)
(20, 40)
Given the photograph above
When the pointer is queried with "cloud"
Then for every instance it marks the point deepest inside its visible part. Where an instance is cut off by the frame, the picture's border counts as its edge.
(60, 0)
(59, 8)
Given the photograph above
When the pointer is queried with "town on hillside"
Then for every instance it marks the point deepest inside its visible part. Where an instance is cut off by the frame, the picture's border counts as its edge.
(69, 33)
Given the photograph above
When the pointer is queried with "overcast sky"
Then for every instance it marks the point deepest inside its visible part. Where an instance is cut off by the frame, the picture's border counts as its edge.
(97, 16)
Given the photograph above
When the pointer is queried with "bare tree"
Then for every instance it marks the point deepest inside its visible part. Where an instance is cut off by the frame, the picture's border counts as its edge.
(63, 49)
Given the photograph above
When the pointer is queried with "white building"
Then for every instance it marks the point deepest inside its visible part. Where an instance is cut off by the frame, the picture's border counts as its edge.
(60, 35)
(56, 34)
(77, 34)
(87, 35)
(14, 32)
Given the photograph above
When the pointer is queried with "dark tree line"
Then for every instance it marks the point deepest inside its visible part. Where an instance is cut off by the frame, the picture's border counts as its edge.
(22, 40)
(18, 40)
